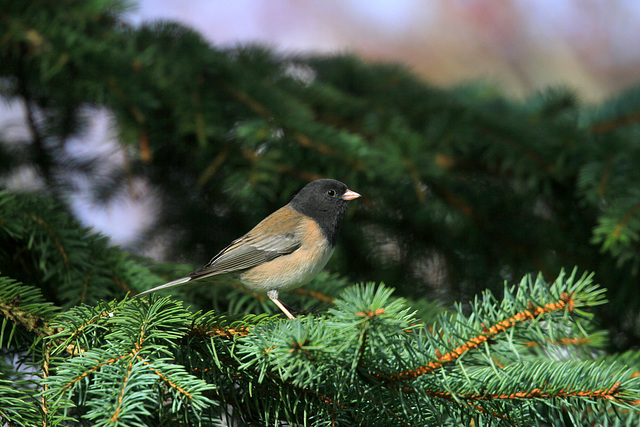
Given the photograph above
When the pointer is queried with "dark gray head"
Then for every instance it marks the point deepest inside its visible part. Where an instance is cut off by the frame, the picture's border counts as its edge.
(324, 200)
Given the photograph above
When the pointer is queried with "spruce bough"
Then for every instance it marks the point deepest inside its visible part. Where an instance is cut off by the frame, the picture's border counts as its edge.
(531, 356)
(465, 189)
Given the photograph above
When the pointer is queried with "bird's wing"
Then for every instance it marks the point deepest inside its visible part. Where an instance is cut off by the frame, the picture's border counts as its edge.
(268, 240)
(275, 236)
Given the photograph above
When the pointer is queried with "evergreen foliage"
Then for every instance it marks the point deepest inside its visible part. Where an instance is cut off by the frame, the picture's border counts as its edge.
(463, 188)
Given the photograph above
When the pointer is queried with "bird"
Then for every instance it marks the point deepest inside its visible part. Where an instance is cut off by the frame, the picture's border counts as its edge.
(286, 249)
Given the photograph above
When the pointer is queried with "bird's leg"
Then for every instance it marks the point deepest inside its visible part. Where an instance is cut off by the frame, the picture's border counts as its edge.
(273, 296)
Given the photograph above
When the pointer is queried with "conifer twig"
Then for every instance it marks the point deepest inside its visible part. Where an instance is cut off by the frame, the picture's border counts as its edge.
(607, 126)
(42, 223)
(565, 302)
(603, 394)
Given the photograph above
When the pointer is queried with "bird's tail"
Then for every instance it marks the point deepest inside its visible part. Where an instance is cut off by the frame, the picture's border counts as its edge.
(176, 282)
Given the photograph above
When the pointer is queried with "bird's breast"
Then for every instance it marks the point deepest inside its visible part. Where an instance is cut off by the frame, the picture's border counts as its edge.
(295, 269)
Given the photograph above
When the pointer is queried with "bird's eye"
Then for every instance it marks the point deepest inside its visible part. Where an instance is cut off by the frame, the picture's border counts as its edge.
(331, 193)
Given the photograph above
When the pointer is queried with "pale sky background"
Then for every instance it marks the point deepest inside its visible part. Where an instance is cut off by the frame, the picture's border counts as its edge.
(520, 45)
(593, 46)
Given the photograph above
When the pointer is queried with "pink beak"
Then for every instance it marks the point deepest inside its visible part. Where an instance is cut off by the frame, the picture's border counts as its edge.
(350, 195)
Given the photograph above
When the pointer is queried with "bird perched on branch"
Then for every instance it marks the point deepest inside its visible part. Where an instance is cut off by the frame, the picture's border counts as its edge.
(286, 249)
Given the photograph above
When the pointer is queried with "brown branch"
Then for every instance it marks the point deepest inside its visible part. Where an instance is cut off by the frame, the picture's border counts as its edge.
(137, 114)
(307, 142)
(122, 285)
(370, 313)
(604, 181)
(453, 200)
(254, 105)
(45, 387)
(314, 294)
(11, 310)
(164, 378)
(41, 222)
(515, 144)
(610, 125)
(321, 148)
(388, 412)
(133, 354)
(283, 168)
(533, 312)
(95, 368)
(145, 149)
(605, 394)
(563, 341)
(276, 379)
(218, 331)
(601, 394)
(363, 347)
(418, 186)
(42, 156)
(259, 296)
(504, 239)
(450, 397)
(85, 288)
(625, 220)
(114, 418)
(214, 166)
(38, 325)
(72, 349)
(302, 139)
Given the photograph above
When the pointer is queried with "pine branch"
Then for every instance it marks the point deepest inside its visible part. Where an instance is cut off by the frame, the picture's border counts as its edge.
(131, 358)
(565, 303)
(51, 245)
(516, 309)
(334, 366)
(17, 408)
(616, 123)
(25, 307)
(463, 189)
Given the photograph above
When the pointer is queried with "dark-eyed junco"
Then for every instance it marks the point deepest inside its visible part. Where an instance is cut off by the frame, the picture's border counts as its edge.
(287, 248)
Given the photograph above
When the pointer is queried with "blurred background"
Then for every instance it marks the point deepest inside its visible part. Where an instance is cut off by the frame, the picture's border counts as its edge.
(490, 139)
(520, 46)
